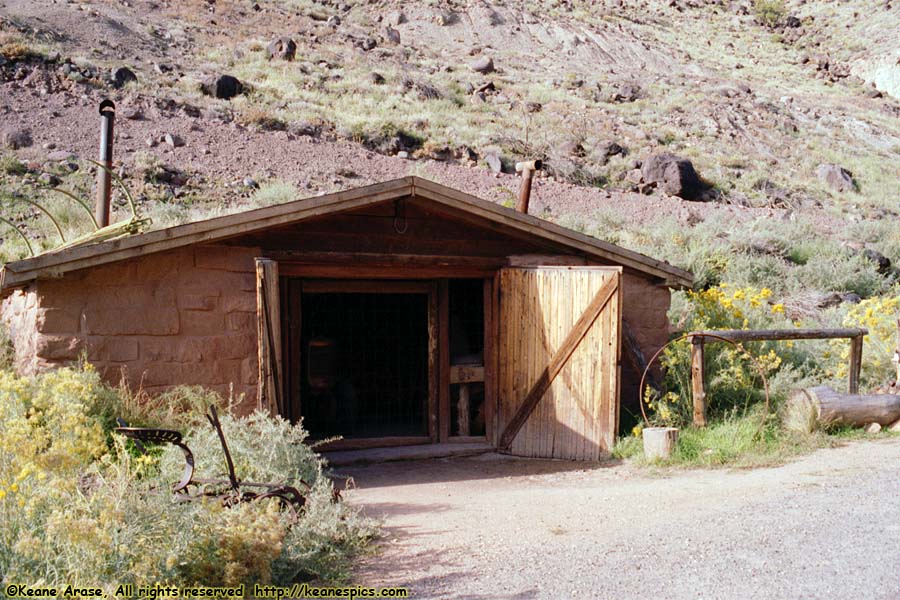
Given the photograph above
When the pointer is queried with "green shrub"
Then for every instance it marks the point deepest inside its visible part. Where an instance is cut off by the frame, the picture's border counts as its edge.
(7, 352)
(275, 192)
(734, 374)
(748, 440)
(769, 12)
(880, 317)
(78, 503)
(11, 165)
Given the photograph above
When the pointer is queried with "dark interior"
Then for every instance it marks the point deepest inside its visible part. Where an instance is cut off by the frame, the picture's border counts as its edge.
(364, 362)
(466, 299)
(466, 321)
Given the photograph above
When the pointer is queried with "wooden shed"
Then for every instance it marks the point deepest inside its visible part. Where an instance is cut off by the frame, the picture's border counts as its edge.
(399, 313)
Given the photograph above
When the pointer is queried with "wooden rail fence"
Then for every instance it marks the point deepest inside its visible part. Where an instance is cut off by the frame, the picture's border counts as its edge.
(699, 339)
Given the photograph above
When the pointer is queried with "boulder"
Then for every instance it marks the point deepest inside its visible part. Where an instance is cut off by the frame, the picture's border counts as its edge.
(569, 148)
(624, 92)
(483, 65)
(881, 262)
(121, 76)
(673, 174)
(58, 155)
(282, 48)
(395, 18)
(609, 148)
(392, 35)
(173, 140)
(492, 158)
(832, 299)
(836, 177)
(17, 138)
(224, 87)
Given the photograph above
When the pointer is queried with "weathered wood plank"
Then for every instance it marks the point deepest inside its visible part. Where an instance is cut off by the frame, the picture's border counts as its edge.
(490, 342)
(559, 360)
(740, 335)
(363, 272)
(856, 350)
(543, 260)
(443, 364)
(268, 321)
(435, 370)
(376, 259)
(462, 410)
(466, 374)
(364, 286)
(698, 385)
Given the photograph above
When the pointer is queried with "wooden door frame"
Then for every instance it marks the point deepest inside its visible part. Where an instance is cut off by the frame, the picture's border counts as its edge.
(446, 369)
(297, 286)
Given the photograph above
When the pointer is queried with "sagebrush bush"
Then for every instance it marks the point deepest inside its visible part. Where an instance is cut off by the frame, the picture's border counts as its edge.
(769, 12)
(733, 380)
(79, 503)
(879, 316)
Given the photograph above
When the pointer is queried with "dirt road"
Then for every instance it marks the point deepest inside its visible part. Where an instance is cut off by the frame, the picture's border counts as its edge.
(826, 526)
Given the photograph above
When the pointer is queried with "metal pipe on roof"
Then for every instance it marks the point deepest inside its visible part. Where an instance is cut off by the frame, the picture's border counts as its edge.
(104, 173)
(527, 169)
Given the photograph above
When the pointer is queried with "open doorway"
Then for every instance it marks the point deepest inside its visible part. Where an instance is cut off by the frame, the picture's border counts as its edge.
(363, 363)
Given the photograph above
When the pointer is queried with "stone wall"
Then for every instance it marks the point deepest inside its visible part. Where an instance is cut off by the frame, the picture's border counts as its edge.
(186, 317)
(646, 307)
(19, 315)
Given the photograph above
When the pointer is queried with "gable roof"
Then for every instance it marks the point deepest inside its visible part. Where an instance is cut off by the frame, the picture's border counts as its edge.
(55, 263)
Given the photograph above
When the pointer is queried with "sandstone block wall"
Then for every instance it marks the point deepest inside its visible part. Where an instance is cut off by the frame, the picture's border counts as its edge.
(186, 317)
(645, 309)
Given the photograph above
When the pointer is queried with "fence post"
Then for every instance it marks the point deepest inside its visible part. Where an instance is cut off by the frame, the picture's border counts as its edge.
(856, 347)
(698, 393)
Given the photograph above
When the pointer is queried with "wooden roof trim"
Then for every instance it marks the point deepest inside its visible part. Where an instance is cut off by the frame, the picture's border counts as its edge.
(216, 229)
(550, 231)
(51, 264)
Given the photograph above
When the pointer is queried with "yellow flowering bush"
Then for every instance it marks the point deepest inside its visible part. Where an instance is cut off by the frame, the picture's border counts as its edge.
(78, 503)
(879, 315)
(733, 380)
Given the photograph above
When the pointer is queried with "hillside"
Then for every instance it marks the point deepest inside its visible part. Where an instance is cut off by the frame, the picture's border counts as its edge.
(768, 100)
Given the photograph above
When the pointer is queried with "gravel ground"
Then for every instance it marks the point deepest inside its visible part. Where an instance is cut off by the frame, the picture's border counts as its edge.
(826, 526)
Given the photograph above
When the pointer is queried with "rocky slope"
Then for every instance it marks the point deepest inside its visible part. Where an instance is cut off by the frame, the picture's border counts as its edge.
(781, 108)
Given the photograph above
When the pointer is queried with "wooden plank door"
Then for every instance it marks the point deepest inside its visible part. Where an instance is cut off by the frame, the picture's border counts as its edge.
(558, 379)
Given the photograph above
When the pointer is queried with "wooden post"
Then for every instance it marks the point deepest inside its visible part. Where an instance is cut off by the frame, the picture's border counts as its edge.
(442, 352)
(698, 393)
(268, 321)
(463, 410)
(897, 353)
(856, 346)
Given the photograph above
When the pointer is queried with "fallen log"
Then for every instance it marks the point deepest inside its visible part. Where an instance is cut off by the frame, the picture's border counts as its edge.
(811, 408)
